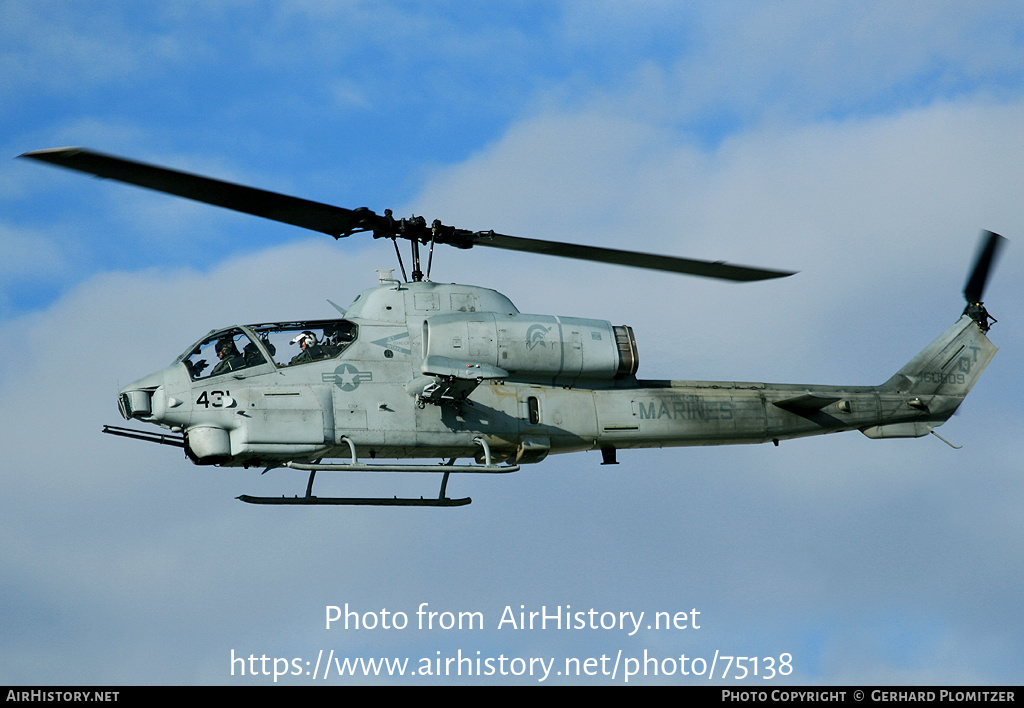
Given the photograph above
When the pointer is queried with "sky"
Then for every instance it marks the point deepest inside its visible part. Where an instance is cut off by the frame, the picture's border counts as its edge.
(864, 145)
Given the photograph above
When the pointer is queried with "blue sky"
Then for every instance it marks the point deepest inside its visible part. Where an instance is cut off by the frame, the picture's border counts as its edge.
(864, 145)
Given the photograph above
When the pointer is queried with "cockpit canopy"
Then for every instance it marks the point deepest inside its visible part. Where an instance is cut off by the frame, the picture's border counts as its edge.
(280, 343)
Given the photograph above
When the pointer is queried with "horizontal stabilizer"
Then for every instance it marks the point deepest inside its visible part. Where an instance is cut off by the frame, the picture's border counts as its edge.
(806, 403)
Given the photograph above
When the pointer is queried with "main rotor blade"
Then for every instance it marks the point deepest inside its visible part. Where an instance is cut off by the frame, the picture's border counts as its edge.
(325, 218)
(672, 264)
(338, 222)
(987, 254)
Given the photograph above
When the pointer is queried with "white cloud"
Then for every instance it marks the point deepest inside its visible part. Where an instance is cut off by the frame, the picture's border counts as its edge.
(750, 64)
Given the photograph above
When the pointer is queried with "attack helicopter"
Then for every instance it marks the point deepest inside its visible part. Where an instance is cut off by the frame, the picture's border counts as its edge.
(417, 370)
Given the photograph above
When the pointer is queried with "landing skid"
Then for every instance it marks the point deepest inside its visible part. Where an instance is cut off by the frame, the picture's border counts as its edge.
(356, 466)
(356, 501)
(309, 499)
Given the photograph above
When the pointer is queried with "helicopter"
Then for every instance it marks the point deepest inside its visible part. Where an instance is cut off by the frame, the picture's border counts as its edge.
(420, 370)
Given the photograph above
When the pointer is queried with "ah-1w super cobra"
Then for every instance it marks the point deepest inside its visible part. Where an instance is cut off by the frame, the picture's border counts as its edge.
(422, 370)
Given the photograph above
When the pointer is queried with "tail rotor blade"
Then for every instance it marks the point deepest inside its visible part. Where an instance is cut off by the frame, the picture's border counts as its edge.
(991, 245)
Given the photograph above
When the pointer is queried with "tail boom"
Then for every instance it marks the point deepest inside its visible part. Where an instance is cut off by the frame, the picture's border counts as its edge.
(920, 397)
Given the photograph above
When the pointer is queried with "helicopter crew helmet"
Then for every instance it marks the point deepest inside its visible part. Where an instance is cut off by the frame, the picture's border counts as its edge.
(306, 339)
(226, 346)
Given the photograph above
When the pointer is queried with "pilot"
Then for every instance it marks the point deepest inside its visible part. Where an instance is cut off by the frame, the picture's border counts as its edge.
(310, 349)
(230, 359)
(251, 355)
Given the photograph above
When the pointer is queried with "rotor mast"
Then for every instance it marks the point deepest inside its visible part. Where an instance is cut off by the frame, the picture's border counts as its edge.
(414, 229)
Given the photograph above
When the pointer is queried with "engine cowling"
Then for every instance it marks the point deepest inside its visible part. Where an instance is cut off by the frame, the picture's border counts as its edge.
(534, 346)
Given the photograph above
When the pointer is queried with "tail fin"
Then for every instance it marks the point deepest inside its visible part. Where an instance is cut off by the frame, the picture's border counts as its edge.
(949, 366)
(935, 382)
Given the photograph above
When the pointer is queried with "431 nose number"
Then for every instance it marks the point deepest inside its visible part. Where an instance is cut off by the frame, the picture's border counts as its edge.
(212, 399)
